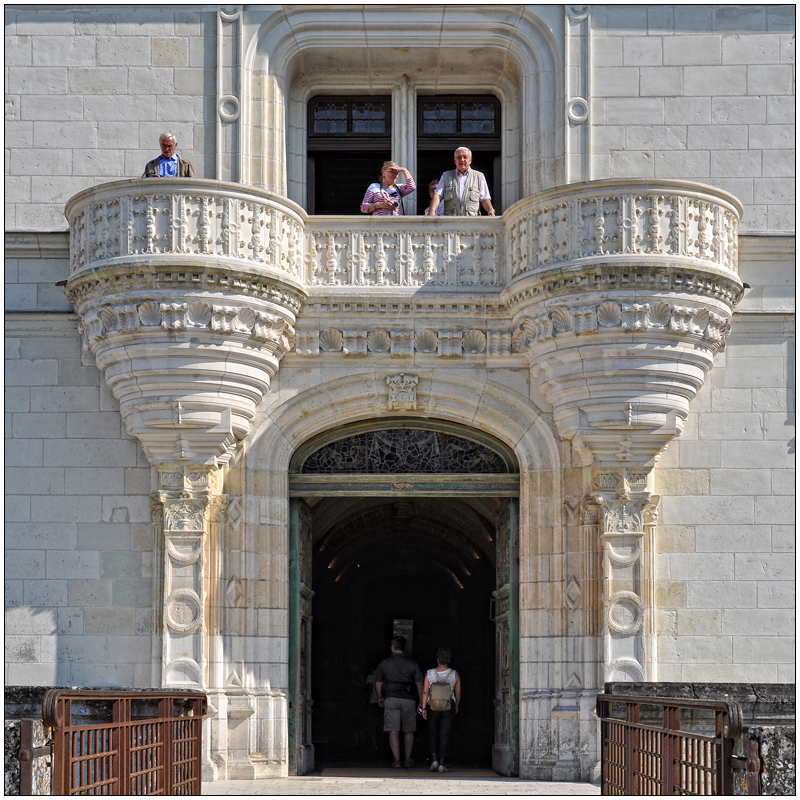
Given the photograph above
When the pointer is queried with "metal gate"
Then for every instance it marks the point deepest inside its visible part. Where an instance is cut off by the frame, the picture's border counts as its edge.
(647, 749)
(125, 742)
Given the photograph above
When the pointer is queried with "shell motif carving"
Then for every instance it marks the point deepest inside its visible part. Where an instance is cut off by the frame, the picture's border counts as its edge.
(245, 319)
(609, 315)
(198, 315)
(378, 342)
(659, 315)
(109, 318)
(474, 342)
(150, 314)
(331, 341)
(426, 341)
(562, 320)
(700, 321)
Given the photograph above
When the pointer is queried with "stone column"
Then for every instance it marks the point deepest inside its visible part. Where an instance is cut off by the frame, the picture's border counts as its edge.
(404, 133)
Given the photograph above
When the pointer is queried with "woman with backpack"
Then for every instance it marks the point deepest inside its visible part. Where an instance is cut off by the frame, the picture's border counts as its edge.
(441, 696)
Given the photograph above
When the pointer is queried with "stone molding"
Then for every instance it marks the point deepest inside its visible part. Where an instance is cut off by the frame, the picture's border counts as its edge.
(424, 341)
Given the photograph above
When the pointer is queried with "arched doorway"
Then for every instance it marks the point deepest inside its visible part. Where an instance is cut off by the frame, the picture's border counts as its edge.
(413, 520)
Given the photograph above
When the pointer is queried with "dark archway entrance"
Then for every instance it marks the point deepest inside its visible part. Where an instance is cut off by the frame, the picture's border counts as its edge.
(415, 520)
(430, 560)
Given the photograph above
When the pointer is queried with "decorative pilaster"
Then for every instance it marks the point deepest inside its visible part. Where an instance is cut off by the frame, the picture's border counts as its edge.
(192, 507)
(577, 129)
(625, 505)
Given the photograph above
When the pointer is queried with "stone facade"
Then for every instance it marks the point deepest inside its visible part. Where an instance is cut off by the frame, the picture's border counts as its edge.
(625, 329)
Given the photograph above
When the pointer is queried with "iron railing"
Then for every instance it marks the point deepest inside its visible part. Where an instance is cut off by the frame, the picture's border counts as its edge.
(125, 742)
(646, 750)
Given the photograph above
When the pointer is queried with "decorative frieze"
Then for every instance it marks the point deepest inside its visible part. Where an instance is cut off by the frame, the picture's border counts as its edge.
(444, 343)
(186, 221)
(269, 330)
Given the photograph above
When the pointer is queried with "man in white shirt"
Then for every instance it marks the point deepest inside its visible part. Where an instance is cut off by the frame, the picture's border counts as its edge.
(462, 189)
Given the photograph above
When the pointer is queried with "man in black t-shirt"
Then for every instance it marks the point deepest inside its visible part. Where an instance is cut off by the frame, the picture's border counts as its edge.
(398, 682)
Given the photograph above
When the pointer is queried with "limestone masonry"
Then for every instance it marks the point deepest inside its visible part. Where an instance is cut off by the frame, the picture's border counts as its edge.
(248, 427)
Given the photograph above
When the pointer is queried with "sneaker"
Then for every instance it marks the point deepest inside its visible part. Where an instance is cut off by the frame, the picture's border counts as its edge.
(434, 766)
(443, 768)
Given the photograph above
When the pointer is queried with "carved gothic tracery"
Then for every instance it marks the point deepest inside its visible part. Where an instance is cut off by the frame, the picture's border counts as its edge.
(404, 450)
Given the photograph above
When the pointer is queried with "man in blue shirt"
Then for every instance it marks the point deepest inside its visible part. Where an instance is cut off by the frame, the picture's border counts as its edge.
(169, 164)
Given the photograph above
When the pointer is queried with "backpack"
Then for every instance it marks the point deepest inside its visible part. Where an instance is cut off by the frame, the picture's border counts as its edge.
(440, 695)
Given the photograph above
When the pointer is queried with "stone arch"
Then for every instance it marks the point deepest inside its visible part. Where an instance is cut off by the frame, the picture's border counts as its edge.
(282, 66)
(289, 421)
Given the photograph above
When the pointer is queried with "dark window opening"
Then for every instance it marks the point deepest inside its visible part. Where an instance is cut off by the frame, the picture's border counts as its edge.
(445, 122)
(348, 140)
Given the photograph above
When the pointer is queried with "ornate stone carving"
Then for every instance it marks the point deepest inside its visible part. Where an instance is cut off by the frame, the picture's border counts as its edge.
(447, 344)
(626, 511)
(389, 252)
(190, 507)
(146, 259)
(402, 392)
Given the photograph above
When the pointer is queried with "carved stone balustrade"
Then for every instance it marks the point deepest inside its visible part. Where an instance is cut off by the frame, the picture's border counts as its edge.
(443, 253)
(621, 293)
(187, 292)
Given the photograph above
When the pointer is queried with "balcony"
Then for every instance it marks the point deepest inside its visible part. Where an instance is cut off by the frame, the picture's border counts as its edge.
(189, 292)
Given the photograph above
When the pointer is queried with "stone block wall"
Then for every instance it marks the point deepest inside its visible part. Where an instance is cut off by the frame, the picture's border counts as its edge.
(78, 538)
(699, 92)
(726, 540)
(88, 91)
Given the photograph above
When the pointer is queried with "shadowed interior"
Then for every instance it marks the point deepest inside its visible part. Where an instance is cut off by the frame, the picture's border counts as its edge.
(430, 560)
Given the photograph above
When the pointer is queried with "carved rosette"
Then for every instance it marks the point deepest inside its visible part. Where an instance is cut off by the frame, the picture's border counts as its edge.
(187, 293)
(622, 292)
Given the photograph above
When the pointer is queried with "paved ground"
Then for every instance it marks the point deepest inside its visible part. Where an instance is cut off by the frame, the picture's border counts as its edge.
(414, 782)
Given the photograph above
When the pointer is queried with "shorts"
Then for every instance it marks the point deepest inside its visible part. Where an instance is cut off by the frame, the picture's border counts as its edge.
(399, 713)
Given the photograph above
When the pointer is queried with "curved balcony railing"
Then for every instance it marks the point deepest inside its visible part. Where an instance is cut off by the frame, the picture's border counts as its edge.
(185, 222)
(688, 227)
(196, 222)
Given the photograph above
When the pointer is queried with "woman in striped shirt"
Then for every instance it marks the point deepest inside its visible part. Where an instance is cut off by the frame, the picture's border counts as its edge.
(384, 199)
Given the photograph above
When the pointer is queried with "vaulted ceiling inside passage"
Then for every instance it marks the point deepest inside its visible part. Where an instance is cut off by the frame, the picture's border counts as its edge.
(448, 536)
